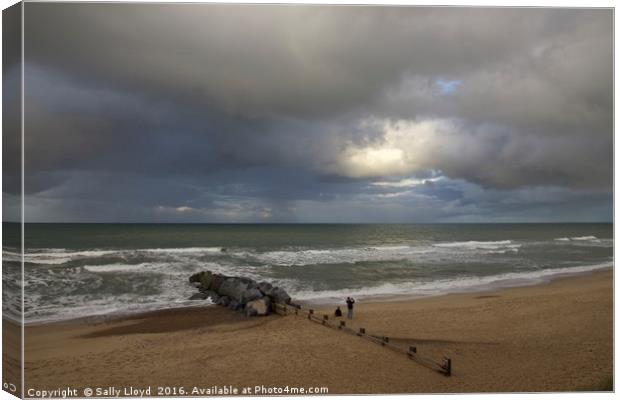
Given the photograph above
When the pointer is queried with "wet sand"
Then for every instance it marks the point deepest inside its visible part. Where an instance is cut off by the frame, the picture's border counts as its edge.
(556, 336)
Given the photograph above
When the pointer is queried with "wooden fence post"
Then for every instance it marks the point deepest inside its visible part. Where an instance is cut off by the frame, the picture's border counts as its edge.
(447, 366)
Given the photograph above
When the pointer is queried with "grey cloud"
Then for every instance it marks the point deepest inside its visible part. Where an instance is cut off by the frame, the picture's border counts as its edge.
(294, 60)
(266, 102)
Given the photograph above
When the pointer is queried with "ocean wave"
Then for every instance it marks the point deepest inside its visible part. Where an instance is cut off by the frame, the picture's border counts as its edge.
(122, 267)
(577, 238)
(475, 245)
(72, 283)
(192, 250)
(336, 256)
(388, 248)
(584, 238)
(423, 251)
(173, 269)
(585, 241)
(293, 257)
(66, 292)
(11, 256)
(125, 306)
(76, 294)
(62, 256)
(445, 286)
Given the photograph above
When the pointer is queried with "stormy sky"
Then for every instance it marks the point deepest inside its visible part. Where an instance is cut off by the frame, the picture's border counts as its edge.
(262, 113)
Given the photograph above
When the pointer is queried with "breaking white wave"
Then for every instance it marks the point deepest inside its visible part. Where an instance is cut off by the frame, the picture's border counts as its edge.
(388, 248)
(179, 269)
(194, 250)
(54, 293)
(475, 245)
(143, 267)
(337, 256)
(301, 257)
(62, 256)
(125, 305)
(376, 253)
(584, 238)
(446, 286)
(577, 238)
(585, 241)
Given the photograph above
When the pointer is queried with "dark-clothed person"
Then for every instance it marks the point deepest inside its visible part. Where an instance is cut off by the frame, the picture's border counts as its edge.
(350, 302)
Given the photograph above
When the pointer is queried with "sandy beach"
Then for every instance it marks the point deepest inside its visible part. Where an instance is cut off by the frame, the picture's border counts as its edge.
(556, 336)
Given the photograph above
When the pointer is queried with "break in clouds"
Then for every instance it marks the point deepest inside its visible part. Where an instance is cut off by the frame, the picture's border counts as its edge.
(276, 113)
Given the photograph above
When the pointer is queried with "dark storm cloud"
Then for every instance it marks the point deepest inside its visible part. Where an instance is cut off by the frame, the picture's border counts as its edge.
(281, 107)
(11, 112)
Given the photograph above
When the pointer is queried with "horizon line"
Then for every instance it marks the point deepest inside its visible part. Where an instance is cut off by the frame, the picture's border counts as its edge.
(319, 223)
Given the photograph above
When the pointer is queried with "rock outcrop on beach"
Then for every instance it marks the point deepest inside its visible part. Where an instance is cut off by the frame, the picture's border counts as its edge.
(238, 293)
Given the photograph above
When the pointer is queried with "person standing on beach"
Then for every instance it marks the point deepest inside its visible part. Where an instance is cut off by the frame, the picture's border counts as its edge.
(350, 301)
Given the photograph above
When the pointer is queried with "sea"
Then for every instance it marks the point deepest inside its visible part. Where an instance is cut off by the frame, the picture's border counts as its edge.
(81, 270)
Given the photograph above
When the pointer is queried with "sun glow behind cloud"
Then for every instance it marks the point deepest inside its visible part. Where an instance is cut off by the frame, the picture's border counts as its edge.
(403, 148)
(407, 183)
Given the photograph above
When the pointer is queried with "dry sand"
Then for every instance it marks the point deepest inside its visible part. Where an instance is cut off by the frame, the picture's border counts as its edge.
(552, 337)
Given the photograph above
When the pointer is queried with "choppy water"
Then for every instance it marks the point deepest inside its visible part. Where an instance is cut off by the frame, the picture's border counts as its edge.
(74, 270)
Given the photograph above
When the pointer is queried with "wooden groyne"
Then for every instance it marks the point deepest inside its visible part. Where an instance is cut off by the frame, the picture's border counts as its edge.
(444, 367)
